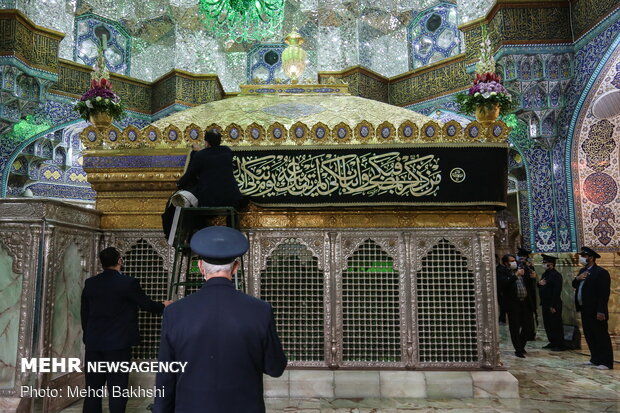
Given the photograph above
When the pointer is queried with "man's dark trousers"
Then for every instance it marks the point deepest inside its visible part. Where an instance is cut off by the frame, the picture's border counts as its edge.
(553, 325)
(599, 343)
(95, 381)
(520, 324)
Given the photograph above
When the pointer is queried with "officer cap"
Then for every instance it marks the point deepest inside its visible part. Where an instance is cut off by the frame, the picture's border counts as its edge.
(522, 252)
(549, 258)
(589, 251)
(219, 245)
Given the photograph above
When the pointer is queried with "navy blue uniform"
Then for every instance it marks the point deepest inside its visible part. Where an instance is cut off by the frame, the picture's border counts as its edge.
(594, 299)
(228, 340)
(210, 178)
(550, 297)
(109, 312)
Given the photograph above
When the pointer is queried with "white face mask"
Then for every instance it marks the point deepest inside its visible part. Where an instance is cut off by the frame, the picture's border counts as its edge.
(583, 261)
(513, 265)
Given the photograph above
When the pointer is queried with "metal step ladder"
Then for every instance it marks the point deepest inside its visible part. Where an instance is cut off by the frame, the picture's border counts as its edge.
(188, 221)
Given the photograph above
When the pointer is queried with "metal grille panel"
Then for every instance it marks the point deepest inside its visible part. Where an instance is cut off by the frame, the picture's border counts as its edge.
(370, 307)
(446, 307)
(293, 283)
(143, 263)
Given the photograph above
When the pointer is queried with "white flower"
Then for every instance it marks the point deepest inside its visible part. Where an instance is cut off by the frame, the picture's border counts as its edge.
(106, 100)
(89, 105)
(493, 93)
(477, 94)
(98, 98)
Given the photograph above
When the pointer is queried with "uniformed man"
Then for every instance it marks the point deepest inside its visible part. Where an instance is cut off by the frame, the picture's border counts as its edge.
(592, 288)
(227, 338)
(109, 312)
(550, 290)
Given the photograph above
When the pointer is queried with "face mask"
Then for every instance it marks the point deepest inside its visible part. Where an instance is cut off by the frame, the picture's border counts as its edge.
(513, 265)
(583, 261)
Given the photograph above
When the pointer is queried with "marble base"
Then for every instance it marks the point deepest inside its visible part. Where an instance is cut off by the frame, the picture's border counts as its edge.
(9, 404)
(351, 384)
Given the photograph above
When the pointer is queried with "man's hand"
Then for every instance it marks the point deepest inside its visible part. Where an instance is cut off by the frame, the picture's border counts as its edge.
(520, 272)
(552, 310)
(583, 275)
(196, 147)
(542, 282)
(168, 302)
(600, 316)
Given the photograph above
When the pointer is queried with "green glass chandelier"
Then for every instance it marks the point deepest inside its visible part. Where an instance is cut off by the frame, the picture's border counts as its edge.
(243, 20)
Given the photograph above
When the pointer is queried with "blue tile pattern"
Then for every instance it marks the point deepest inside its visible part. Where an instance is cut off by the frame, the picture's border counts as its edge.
(118, 51)
(433, 35)
(264, 63)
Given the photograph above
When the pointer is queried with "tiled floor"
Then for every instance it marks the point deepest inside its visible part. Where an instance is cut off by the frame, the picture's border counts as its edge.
(548, 382)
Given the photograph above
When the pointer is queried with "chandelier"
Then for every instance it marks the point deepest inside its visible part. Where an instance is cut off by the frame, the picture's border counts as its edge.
(242, 20)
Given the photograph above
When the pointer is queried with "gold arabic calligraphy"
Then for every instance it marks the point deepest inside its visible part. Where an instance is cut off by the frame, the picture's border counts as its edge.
(327, 173)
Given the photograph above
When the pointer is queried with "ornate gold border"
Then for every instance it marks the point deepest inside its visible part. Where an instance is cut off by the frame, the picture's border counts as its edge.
(414, 131)
(171, 129)
(271, 136)
(371, 131)
(379, 132)
(188, 131)
(331, 136)
(306, 137)
(348, 133)
(328, 133)
(261, 133)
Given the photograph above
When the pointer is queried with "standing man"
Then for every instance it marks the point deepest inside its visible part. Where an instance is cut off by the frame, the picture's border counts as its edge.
(550, 290)
(529, 280)
(518, 304)
(109, 312)
(227, 338)
(592, 288)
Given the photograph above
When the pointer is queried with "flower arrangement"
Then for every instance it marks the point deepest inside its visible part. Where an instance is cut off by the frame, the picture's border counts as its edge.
(100, 98)
(487, 92)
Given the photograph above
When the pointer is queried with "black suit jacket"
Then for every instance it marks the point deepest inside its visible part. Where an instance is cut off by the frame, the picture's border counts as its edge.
(551, 292)
(228, 340)
(507, 281)
(595, 292)
(210, 177)
(109, 311)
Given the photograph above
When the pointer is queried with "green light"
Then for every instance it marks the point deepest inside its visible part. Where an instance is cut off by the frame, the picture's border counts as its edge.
(511, 120)
(243, 20)
(25, 128)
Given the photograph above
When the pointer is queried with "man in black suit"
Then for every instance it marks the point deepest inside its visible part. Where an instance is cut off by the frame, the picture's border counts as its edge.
(109, 312)
(550, 290)
(209, 175)
(524, 261)
(227, 338)
(517, 301)
(592, 288)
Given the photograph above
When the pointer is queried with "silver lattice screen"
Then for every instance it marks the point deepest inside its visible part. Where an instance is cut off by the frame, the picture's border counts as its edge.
(357, 298)
(446, 305)
(293, 284)
(144, 263)
(370, 307)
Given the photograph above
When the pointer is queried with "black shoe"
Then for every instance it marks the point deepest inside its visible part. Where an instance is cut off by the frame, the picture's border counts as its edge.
(520, 355)
(524, 352)
(547, 346)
